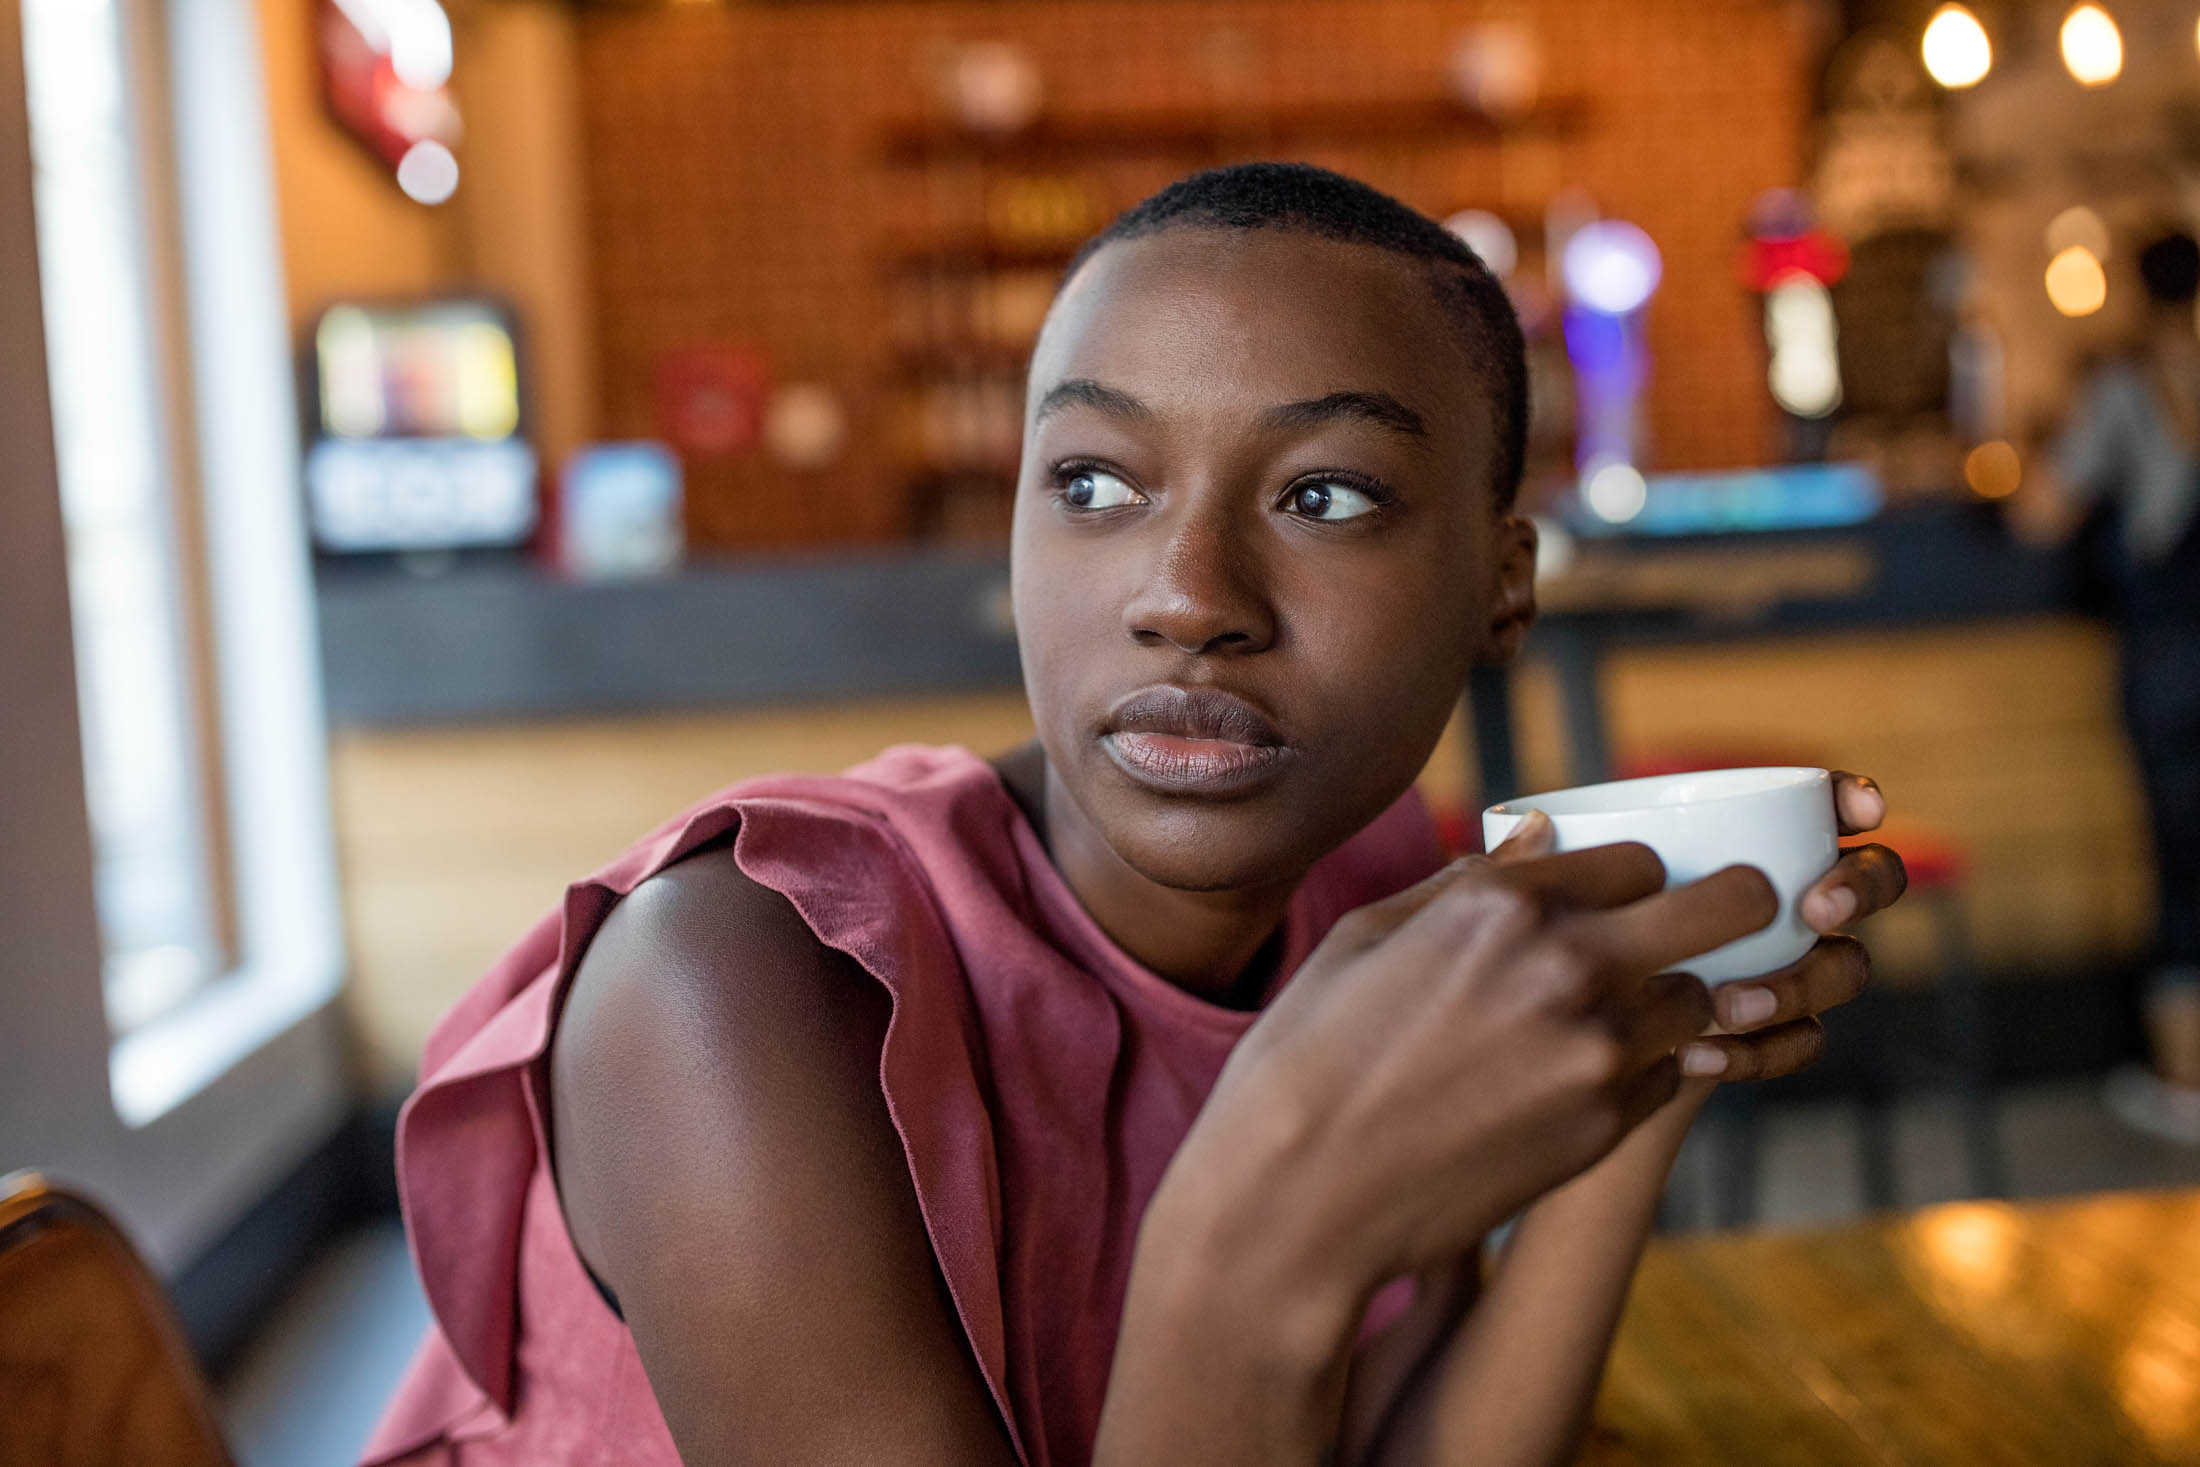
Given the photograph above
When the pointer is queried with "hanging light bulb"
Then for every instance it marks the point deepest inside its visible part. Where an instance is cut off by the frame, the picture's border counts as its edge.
(1957, 53)
(2076, 283)
(2092, 47)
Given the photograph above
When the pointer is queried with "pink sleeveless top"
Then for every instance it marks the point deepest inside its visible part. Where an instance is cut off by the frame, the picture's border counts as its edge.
(1038, 1077)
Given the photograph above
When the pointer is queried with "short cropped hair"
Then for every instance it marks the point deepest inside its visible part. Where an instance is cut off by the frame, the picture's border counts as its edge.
(2170, 269)
(1310, 200)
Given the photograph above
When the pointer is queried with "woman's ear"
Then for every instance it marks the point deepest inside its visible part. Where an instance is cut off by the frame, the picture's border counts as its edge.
(1512, 608)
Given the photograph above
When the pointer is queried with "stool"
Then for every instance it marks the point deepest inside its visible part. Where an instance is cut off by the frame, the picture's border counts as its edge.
(1935, 866)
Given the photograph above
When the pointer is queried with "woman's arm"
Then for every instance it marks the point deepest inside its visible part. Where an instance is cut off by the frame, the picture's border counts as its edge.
(1516, 1381)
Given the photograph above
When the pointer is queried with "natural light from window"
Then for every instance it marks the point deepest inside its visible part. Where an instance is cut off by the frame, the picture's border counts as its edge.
(143, 766)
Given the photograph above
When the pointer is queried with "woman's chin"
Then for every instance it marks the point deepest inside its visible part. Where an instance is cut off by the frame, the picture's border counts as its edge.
(1199, 846)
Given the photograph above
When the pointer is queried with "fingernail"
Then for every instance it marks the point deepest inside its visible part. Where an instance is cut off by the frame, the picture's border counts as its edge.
(1703, 1060)
(1750, 1006)
(1534, 829)
(1839, 905)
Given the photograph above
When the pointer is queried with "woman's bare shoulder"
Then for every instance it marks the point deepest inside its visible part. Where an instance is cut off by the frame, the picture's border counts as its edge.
(692, 975)
(728, 1167)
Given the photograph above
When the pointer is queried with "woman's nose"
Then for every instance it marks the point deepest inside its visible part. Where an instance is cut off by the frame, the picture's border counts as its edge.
(1203, 590)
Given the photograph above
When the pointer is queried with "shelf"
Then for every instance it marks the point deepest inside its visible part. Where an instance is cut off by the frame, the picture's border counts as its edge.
(959, 360)
(974, 255)
(1424, 120)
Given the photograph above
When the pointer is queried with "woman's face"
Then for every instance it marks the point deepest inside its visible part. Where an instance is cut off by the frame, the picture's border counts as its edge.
(1255, 546)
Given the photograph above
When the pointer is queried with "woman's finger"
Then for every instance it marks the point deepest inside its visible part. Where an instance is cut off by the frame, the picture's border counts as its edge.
(1765, 1055)
(1532, 835)
(1670, 1010)
(1667, 929)
(1829, 975)
(1597, 878)
(1865, 880)
(1857, 802)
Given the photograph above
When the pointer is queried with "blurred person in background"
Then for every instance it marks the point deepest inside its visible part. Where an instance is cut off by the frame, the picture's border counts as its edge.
(2123, 477)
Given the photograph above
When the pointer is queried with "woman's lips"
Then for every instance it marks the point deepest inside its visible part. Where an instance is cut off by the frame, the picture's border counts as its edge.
(1181, 765)
(1193, 740)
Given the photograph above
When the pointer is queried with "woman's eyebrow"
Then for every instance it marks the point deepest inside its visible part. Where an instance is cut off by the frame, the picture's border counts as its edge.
(1113, 401)
(1379, 408)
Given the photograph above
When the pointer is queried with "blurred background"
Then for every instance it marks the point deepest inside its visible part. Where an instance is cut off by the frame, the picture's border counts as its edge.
(444, 437)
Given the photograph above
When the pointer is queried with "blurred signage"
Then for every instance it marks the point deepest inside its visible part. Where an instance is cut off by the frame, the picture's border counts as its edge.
(416, 430)
(1769, 259)
(711, 401)
(619, 512)
(1746, 501)
(385, 79)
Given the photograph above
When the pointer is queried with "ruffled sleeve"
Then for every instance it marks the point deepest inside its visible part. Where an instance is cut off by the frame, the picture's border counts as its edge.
(472, 1138)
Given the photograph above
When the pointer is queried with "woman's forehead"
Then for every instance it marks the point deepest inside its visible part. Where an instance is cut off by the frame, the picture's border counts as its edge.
(1194, 314)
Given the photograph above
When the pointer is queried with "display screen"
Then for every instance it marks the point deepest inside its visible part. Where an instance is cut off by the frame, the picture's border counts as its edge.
(1743, 501)
(444, 370)
(416, 417)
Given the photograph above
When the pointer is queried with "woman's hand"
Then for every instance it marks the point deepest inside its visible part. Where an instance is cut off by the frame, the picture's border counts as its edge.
(1769, 1026)
(1501, 1026)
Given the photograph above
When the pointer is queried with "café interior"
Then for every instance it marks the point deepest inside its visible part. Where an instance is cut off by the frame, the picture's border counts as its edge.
(448, 437)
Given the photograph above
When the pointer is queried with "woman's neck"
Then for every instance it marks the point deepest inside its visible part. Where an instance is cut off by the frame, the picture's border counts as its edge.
(1219, 945)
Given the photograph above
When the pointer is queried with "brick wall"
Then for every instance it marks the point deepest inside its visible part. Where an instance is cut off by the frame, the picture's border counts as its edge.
(740, 188)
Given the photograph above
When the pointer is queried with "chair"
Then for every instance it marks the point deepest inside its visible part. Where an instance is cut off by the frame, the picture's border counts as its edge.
(94, 1371)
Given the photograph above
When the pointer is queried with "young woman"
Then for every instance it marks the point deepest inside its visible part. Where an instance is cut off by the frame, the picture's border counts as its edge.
(1144, 1096)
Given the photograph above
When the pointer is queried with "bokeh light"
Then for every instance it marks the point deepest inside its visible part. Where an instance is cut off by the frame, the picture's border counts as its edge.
(1490, 237)
(428, 173)
(805, 426)
(1957, 53)
(1615, 491)
(414, 34)
(1993, 470)
(995, 87)
(2158, 1378)
(2092, 47)
(2076, 283)
(1497, 68)
(1611, 267)
(1805, 373)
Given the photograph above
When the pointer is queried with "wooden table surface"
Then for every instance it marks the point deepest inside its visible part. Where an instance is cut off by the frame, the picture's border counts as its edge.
(2063, 1334)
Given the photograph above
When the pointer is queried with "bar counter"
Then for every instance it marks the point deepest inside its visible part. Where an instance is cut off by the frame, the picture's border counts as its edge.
(506, 640)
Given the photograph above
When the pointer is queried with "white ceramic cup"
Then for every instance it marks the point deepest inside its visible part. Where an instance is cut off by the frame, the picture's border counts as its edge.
(1779, 820)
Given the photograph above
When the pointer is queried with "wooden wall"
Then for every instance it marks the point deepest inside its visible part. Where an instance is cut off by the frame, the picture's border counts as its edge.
(740, 189)
(453, 841)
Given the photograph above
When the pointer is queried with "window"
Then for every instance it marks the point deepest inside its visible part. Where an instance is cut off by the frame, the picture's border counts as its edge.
(144, 771)
(192, 615)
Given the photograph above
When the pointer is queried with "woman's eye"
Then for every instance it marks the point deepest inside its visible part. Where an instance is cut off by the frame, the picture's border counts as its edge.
(1097, 489)
(1329, 501)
